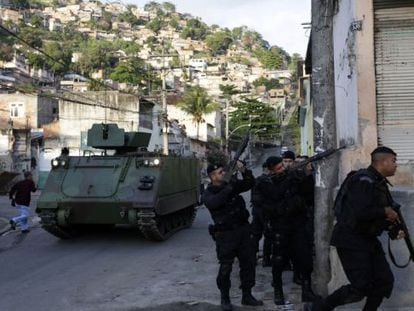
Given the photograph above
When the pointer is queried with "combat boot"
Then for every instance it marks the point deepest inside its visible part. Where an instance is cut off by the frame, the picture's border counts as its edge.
(225, 301)
(307, 293)
(249, 300)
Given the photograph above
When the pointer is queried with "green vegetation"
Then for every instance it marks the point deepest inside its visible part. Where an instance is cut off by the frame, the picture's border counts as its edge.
(195, 30)
(197, 103)
(131, 71)
(268, 83)
(291, 133)
(261, 117)
(109, 56)
(219, 42)
(20, 4)
(238, 59)
(128, 17)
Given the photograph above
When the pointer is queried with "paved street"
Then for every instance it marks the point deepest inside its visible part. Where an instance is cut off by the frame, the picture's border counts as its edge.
(115, 271)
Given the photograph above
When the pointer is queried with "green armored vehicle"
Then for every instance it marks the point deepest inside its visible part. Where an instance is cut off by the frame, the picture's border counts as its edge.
(124, 184)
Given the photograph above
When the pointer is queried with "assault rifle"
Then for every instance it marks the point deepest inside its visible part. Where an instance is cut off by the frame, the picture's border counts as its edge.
(316, 157)
(231, 168)
(402, 226)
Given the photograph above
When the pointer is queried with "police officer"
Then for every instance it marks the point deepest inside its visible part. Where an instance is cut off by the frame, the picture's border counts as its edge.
(231, 231)
(363, 211)
(286, 209)
(259, 222)
(307, 190)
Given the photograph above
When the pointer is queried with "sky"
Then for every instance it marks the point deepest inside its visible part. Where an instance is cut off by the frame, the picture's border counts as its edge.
(278, 21)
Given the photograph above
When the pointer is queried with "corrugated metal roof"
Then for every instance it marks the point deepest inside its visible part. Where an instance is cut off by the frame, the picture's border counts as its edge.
(394, 65)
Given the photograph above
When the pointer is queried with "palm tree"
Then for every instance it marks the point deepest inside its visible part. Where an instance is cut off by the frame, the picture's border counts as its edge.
(197, 103)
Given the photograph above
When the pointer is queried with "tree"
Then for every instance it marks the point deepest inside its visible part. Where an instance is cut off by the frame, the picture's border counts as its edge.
(20, 4)
(219, 42)
(132, 71)
(195, 29)
(237, 32)
(271, 59)
(168, 7)
(96, 54)
(131, 48)
(63, 57)
(152, 6)
(156, 25)
(33, 36)
(260, 116)
(268, 83)
(174, 23)
(36, 21)
(228, 90)
(197, 103)
(128, 17)
(6, 47)
(293, 65)
(35, 60)
(252, 40)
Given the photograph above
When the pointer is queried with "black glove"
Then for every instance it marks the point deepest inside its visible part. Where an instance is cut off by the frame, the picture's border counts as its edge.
(13, 202)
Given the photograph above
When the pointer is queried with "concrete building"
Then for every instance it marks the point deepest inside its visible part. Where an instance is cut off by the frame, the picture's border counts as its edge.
(208, 130)
(21, 130)
(373, 96)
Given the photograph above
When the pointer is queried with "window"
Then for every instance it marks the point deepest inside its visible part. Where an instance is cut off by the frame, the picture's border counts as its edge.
(16, 110)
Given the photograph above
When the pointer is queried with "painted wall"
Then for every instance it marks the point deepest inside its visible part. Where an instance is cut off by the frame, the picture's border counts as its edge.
(345, 68)
(307, 128)
(75, 119)
(213, 119)
(356, 57)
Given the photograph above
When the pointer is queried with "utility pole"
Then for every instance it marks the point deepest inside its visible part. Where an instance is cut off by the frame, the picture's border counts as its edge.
(227, 125)
(164, 114)
(164, 105)
(323, 97)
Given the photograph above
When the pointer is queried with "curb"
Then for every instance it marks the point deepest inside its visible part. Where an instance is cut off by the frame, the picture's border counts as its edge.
(4, 225)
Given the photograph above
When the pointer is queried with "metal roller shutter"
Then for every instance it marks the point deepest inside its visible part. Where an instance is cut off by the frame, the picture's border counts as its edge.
(394, 65)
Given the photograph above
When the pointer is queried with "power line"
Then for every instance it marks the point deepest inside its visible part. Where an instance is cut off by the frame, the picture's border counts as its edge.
(75, 101)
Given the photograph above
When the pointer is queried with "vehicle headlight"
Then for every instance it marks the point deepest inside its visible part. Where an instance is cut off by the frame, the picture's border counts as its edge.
(55, 163)
(63, 163)
(156, 162)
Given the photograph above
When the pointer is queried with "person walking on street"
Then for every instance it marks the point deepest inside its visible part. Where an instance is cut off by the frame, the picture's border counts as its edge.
(20, 197)
(363, 211)
(231, 231)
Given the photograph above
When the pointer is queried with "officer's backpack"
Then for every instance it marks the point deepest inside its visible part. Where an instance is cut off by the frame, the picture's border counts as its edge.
(343, 190)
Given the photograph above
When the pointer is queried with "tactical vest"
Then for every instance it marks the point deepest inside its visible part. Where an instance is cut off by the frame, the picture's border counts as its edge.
(344, 213)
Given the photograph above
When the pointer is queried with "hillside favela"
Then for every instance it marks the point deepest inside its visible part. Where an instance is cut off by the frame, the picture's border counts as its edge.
(151, 160)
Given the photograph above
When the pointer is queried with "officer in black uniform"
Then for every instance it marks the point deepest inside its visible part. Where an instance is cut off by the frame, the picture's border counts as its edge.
(259, 222)
(231, 231)
(307, 190)
(363, 211)
(286, 210)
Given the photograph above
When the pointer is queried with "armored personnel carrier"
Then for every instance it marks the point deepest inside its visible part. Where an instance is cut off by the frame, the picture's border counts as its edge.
(123, 184)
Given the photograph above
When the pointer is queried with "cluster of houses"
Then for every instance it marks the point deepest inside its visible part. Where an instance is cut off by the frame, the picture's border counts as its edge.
(35, 126)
